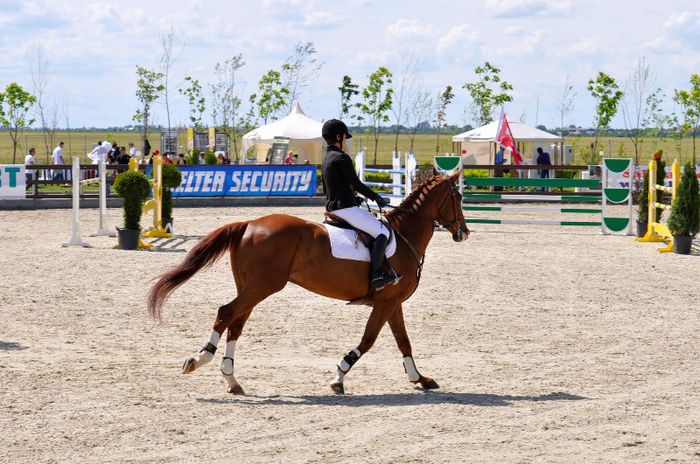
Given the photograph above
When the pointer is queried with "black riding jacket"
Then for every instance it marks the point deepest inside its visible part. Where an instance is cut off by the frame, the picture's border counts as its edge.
(340, 181)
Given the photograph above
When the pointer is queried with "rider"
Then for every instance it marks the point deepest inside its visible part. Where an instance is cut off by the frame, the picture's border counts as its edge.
(339, 184)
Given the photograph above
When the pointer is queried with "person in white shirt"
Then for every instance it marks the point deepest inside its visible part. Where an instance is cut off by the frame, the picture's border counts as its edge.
(30, 160)
(100, 152)
(132, 150)
(57, 157)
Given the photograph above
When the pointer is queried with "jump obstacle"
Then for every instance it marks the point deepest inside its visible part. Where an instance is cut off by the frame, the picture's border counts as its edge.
(656, 231)
(401, 177)
(155, 204)
(76, 184)
(607, 223)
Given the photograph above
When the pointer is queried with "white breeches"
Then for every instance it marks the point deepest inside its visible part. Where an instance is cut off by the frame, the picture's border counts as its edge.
(362, 220)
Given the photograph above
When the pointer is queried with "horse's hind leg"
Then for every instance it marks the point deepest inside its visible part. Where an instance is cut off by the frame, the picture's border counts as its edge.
(398, 328)
(239, 308)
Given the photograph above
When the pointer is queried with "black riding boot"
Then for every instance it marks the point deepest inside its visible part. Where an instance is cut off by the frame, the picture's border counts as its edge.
(381, 279)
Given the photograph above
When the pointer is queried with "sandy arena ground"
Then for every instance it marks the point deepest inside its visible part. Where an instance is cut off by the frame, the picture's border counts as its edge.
(550, 344)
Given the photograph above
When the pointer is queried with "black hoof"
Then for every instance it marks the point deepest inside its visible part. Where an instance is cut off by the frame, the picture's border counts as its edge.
(338, 388)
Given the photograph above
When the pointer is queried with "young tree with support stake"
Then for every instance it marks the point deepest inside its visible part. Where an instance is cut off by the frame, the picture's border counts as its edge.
(444, 99)
(226, 104)
(606, 92)
(271, 96)
(15, 103)
(690, 101)
(377, 102)
(148, 88)
(483, 92)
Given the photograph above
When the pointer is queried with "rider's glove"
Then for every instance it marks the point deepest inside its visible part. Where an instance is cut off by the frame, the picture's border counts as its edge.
(382, 202)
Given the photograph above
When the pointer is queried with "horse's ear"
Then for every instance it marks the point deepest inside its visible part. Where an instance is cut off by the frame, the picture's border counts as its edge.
(435, 172)
(455, 174)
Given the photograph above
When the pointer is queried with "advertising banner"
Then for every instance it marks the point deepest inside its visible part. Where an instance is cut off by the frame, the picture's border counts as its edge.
(246, 181)
(13, 182)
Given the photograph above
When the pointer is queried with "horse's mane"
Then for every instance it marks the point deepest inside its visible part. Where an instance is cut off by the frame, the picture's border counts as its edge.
(414, 199)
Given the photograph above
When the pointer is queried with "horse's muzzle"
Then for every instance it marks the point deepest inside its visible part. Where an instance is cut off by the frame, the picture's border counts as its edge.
(461, 234)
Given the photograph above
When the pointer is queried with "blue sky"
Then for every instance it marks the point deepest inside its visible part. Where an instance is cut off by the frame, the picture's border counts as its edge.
(93, 47)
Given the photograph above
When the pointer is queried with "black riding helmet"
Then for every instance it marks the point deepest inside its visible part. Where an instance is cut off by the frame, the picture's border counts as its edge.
(332, 128)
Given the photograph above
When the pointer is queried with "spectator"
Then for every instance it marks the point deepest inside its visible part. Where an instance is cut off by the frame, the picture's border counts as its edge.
(295, 158)
(29, 160)
(181, 161)
(220, 158)
(99, 152)
(167, 158)
(115, 150)
(122, 159)
(57, 157)
(132, 149)
(543, 160)
(289, 158)
(202, 158)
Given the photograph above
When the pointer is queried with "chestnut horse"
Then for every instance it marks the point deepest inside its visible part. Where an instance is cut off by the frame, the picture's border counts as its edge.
(270, 251)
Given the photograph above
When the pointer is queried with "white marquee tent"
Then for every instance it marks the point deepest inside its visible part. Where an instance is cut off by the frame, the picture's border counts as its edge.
(479, 143)
(304, 133)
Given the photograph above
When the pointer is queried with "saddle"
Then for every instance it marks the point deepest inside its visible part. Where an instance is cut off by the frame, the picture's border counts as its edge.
(367, 240)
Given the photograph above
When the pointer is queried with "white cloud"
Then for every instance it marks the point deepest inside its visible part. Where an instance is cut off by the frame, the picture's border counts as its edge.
(408, 29)
(524, 46)
(586, 46)
(460, 45)
(519, 8)
(681, 32)
(321, 19)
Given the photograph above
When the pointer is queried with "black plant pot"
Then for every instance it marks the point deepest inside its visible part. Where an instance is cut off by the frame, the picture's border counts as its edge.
(682, 244)
(128, 238)
(642, 228)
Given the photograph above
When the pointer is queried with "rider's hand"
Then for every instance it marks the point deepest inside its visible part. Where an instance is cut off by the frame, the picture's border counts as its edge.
(382, 202)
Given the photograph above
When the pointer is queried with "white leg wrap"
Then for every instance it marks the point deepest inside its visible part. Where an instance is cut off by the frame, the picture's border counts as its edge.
(344, 366)
(205, 356)
(214, 337)
(227, 362)
(411, 370)
(339, 376)
(230, 349)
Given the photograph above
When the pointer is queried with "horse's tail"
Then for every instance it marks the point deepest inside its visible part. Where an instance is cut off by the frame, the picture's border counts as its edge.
(202, 255)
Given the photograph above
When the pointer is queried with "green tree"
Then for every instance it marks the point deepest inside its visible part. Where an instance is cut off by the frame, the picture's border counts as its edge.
(271, 96)
(690, 101)
(347, 91)
(15, 103)
(226, 104)
(606, 92)
(443, 99)
(484, 94)
(377, 101)
(149, 87)
(196, 100)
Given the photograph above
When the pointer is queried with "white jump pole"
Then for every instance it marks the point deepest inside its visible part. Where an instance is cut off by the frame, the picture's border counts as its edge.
(75, 239)
(103, 230)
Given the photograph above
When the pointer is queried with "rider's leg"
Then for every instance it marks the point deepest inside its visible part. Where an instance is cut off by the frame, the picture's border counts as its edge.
(363, 220)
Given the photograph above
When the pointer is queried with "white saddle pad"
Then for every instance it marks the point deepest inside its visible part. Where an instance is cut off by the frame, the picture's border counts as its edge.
(345, 244)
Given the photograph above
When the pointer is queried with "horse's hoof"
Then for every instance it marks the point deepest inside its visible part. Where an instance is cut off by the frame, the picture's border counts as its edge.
(428, 383)
(338, 388)
(236, 390)
(188, 366)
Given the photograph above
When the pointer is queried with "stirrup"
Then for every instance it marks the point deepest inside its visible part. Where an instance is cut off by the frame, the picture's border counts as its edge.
(385, 279)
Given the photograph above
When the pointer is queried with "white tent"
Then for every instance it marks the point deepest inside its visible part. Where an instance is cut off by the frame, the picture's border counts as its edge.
(304, 133)
(480, 147)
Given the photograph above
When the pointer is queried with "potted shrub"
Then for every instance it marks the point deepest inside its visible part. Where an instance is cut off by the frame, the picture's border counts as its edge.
(172, 178)
(134, 188)
(684, 221)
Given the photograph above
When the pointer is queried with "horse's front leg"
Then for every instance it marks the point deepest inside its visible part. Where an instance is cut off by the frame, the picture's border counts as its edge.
(377, 319)
(398, 328)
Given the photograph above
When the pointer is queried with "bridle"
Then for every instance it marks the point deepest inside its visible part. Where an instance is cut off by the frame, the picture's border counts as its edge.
(454, 193)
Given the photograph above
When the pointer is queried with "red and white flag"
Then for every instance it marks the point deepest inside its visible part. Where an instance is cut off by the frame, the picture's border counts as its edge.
(504, 138)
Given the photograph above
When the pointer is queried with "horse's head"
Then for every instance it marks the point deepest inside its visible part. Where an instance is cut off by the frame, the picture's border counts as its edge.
(449, 213)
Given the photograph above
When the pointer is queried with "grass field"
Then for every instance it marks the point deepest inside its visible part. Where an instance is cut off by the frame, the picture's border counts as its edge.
(81, 142)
